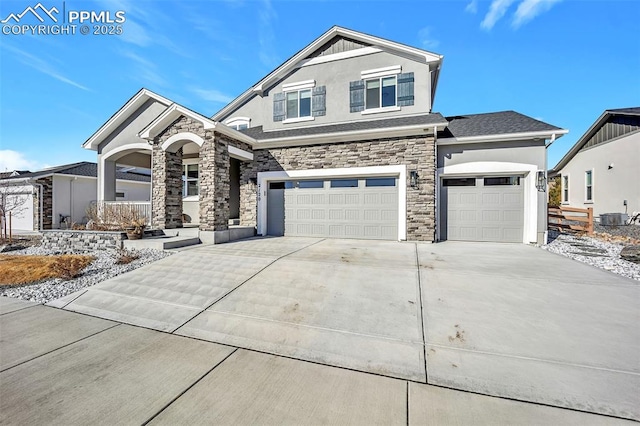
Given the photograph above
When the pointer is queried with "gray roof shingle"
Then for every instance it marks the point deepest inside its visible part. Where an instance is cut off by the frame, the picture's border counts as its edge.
(634, 110)
(494, 123)
(426, 119)
(83, 168)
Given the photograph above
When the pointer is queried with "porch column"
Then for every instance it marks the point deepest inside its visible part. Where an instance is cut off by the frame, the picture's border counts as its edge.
(214, 184)
(106, 180)
(166, 176)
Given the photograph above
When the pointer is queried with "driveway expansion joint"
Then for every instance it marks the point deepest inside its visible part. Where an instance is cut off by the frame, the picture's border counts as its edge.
(422, 320)
(244, 282)
(61, 347)
(189, 388)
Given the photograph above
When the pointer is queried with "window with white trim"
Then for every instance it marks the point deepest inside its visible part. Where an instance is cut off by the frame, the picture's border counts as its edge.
(190, 186)
(588, 184)
(380, 92)
(238, 123)
(299, 103)
(565, 189)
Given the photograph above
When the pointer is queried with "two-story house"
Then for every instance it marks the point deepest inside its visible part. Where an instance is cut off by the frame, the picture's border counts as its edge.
(338, 141)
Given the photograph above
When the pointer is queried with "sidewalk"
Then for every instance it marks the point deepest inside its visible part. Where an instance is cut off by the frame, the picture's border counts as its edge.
(68, 368)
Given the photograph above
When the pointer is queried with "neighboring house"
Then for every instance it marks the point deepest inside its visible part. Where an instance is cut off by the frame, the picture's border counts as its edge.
(602, 169)
(338, 141)
(59, 196)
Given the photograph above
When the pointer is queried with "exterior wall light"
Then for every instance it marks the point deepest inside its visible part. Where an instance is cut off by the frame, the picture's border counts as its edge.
(541, 181)
(413, 178)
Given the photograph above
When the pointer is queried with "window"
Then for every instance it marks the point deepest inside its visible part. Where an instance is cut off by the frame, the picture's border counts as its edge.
(344, 183)
(380, 182)
(588, 181)
(310, 184)
(190, 180)
(276, 185)
(565, 189)
(459, 182)
(299, 104)
(380, 92)
(500, 181)
(238, 123)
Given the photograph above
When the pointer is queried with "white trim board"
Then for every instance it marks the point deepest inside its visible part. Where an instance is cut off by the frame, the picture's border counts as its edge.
(483, 168)
(400, 171)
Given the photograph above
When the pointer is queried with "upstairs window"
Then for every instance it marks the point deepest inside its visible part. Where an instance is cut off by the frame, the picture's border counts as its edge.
(380, 92)
(299, 104)
(301, 101)
(238, 123)
(588, 181)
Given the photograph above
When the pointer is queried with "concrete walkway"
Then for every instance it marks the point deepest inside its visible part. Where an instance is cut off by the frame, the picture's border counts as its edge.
(507, 320)
(60, 367)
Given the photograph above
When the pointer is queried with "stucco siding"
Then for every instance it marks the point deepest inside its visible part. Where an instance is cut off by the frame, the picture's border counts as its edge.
(335, 76)
(611, 186)
(127, 132)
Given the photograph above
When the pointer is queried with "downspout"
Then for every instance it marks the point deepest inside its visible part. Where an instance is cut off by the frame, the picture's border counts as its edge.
(545, 237)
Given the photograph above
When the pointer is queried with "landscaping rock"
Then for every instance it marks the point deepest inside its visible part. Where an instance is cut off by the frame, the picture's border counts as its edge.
(631, 253)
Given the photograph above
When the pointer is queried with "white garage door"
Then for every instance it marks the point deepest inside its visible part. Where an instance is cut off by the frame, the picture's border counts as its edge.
(340, 208)
(484, 208)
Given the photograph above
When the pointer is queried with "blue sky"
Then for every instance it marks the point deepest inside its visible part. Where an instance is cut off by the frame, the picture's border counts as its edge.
(563, 62)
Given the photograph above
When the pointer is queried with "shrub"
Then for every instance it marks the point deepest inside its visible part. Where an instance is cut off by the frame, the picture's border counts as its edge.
(69, 267)
(124, 256)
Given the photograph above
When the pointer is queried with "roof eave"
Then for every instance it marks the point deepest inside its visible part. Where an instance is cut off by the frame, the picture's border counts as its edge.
(348, 136)
(544, 134)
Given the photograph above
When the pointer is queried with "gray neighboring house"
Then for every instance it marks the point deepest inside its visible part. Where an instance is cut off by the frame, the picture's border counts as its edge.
(59, 196)
(338, 141)
(602, 169)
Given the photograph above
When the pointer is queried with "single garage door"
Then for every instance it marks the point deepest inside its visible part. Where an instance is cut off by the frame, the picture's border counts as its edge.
(484, 208)
(365, 207)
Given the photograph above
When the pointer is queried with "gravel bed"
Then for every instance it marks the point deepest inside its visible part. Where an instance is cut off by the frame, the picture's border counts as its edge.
(629, 231)
(101, 269)
(595, 252)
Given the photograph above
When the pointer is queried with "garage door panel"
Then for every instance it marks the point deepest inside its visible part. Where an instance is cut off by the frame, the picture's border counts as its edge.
(485, 213)
(342, 212)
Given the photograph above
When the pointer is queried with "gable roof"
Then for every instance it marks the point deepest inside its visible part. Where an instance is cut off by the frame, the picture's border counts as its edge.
(306, 55)
(120, 116)
(496, 125)
(175, 111)
(595, 127)
(13, 173)
(82, 168)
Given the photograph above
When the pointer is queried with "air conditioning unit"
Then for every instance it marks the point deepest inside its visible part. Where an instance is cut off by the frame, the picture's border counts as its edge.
(613, 219)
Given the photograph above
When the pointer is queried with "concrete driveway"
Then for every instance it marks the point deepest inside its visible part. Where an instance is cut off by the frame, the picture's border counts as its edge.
(499, 319)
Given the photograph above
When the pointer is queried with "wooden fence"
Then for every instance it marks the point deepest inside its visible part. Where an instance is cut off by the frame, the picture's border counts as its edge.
(571, 219)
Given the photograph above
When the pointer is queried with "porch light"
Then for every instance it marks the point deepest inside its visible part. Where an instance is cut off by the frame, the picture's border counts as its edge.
(413, 178)
(541, 181)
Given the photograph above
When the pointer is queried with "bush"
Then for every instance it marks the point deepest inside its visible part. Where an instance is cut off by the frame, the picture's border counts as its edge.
(124, 256)
(69, 267)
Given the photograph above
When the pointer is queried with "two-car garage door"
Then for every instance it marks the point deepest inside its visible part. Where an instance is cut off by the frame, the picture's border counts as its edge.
(483, 208)
(365, 207)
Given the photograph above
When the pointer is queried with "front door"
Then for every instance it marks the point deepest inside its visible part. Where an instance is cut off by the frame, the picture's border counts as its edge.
(275, 209)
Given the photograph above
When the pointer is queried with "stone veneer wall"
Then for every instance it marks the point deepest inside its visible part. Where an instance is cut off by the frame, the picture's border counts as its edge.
(417, 153)
(47, 203)
(166, 184)
(213, 181)
(82, 241)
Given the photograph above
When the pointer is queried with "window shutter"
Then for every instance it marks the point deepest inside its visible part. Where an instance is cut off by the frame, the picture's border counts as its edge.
(405, 89)
(356, 96)
(278, 106)
(319, 101)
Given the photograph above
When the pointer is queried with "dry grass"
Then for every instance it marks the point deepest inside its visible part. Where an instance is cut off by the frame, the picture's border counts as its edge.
(27, 269)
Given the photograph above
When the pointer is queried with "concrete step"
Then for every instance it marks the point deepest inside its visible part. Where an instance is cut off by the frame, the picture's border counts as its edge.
(164, 242)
